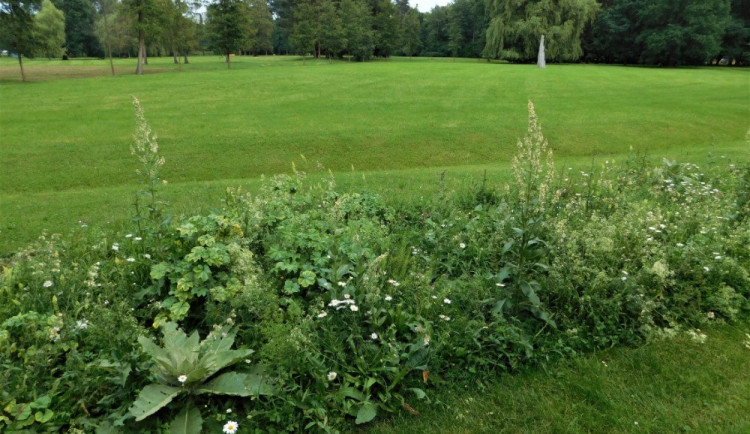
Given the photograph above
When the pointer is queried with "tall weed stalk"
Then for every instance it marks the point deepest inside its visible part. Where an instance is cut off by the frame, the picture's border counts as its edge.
(150, 216)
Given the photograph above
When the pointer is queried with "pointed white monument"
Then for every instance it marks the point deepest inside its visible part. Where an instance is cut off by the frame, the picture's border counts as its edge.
(540, 62)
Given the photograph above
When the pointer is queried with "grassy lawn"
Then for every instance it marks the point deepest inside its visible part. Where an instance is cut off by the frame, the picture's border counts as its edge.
(65, 142)
(407, 129)
(666, 386)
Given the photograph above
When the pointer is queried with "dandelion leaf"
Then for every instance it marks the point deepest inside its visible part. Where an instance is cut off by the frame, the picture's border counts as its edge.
(152, 398)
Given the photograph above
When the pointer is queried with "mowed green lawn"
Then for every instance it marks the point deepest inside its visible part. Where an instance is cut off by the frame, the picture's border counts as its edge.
(64, 142)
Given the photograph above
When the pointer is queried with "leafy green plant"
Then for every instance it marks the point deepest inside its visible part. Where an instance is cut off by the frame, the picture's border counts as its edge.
(16, 416)
(200, 265)
(185, 367)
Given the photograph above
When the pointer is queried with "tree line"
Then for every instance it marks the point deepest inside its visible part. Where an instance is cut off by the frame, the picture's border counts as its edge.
(661, 32)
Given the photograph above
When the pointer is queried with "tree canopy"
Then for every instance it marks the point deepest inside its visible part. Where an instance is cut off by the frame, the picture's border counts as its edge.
(517, 26)
(229, 27)
(50, 31)
(17, 28)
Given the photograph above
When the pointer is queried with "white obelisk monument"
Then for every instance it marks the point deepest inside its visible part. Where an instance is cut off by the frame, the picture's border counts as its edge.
(540, 62)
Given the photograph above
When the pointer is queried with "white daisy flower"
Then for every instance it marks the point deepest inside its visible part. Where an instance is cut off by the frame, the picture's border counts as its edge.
(231, 427)
(331, 376)
(182, 378)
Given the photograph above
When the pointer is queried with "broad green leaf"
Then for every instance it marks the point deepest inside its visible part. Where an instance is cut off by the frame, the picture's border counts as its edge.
(152, 398)
(42, 402)
(195, 255)
(230, 383)
(10, 407)
(528, 291)
(160, 270)
(503, 274)
(179, 310)
(418, 392)
(43, 417)
(291, 287)
(257, 385)
(188, 421)
(150, 348)
(352, 393)
(206, 240)
(306, 278)
(507, 246)
(202, 272)
(498, 309)
(22, 412)
(366, 413)
(369, 382)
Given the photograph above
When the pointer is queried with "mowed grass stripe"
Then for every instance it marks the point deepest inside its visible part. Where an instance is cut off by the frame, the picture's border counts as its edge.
(65, 143)
(241, 123)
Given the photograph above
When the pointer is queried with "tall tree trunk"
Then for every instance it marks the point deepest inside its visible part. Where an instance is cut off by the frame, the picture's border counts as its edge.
(141, 53)
(177, 59)
(20, 63)
(186, 59)
(229, 61)
(109, 45)
(141, 45)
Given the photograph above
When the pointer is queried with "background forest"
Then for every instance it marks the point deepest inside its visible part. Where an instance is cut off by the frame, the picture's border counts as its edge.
(661, 32)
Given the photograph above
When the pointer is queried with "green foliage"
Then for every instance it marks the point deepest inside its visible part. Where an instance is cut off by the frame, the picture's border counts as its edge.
(517, 26)
(202, 264)
(184, 366)
(50, 27)
(357, 22)
(80, 17)
(17, 28)
(357, 309)
(263, 24)
(228, 26)
(665, 32)
(691, 36)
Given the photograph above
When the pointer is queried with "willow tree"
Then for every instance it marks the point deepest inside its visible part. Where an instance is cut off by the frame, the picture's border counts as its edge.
(517, 26)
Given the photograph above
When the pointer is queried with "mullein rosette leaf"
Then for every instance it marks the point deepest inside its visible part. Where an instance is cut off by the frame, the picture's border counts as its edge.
(185, 366)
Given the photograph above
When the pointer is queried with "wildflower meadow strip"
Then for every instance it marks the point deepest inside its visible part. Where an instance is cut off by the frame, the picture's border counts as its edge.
(304, 308)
